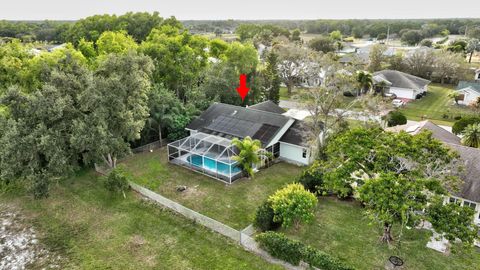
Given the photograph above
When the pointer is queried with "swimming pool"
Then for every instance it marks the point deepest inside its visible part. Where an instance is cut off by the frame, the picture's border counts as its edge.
(212, 165)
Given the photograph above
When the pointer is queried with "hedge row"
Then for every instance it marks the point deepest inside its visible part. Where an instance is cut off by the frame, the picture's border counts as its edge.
(293, 251)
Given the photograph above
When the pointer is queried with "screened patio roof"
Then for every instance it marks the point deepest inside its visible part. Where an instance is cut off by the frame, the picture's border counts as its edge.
(214, 147)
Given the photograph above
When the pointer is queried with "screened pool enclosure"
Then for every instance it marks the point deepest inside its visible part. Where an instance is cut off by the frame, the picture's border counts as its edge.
(209, 154)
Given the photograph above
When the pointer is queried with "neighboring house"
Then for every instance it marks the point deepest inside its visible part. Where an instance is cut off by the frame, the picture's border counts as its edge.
(419, 50)
(469, 193)
(469, 90)
(347, 49)
(208, 149)
(403, 85)
(52, 48)
(364, 52)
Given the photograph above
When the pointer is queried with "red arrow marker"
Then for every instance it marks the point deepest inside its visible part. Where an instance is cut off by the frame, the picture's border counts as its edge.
(242, 89)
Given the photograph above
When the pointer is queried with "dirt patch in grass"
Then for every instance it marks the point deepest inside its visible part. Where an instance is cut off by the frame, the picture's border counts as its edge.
(19, 243)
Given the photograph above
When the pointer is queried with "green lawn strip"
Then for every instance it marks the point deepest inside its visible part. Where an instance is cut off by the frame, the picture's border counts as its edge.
(234, 204)
(435, 106)
(95, 230)
(341, 229)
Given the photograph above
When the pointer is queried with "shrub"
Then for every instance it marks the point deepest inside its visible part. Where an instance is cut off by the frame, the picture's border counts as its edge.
(462, 123)
(117, 181)
(395, 118)
(293, 251)
(458, 117)
(293, 204)
(264, 218)
(279, 246)
(311, 179)
(322, 260)
(40, 187)
(381, 36)
(426, 43)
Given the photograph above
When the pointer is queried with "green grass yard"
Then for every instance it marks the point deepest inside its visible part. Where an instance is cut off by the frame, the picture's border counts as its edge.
(233, 204)
(435, 105)
(341, 229)
(94, 230)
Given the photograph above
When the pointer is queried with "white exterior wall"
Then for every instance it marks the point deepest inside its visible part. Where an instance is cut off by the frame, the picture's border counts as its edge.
(293, 154)
(403, 92)
(469, 97)
(476, 218)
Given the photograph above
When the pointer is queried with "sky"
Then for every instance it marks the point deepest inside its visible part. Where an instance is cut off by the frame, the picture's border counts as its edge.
(243, 10)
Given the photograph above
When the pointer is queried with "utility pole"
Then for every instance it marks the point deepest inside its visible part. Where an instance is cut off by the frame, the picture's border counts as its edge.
(388, 34)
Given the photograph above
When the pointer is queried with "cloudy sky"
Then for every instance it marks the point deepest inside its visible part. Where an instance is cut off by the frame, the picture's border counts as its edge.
(242, 9)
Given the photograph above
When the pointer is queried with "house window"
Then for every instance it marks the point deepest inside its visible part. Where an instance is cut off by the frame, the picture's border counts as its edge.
(304, 153)
(454, 200)
(276, 150)
(470, 204)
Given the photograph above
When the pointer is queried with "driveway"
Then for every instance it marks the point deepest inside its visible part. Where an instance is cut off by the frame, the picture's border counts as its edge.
(297, 111)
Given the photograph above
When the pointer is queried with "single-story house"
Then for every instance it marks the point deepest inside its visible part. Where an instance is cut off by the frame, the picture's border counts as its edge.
(469, 91)
(469, 192)
(403, 85)
(364, 52)
(208, 148)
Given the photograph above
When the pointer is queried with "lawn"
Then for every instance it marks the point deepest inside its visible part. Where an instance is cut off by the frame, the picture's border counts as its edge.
(95, 230)
(341, 229)
(436, 105)
(233, 204)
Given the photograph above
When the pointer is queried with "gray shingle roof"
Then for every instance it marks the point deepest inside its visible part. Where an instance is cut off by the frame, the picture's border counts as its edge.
(437, 132)
(470, 189)
(268, 106)
(466, 84)
(297, 134)
(401, 79)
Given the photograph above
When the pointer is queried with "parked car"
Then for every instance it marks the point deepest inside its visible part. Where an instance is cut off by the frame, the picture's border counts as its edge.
(398, 103)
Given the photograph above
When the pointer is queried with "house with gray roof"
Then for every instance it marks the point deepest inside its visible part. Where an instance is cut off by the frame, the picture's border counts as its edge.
(209, 150)
(469, 91)
(469, 192)
(403, 85)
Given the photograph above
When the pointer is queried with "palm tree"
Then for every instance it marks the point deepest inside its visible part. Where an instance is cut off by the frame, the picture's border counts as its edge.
(471, 136)
(365, 81)
(248, 155)
(472, 46)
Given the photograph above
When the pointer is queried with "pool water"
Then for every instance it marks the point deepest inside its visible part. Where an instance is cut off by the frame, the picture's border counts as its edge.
(209, 164)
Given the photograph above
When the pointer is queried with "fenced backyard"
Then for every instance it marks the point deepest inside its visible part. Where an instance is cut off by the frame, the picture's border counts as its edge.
(232, 204)
(241, 237)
